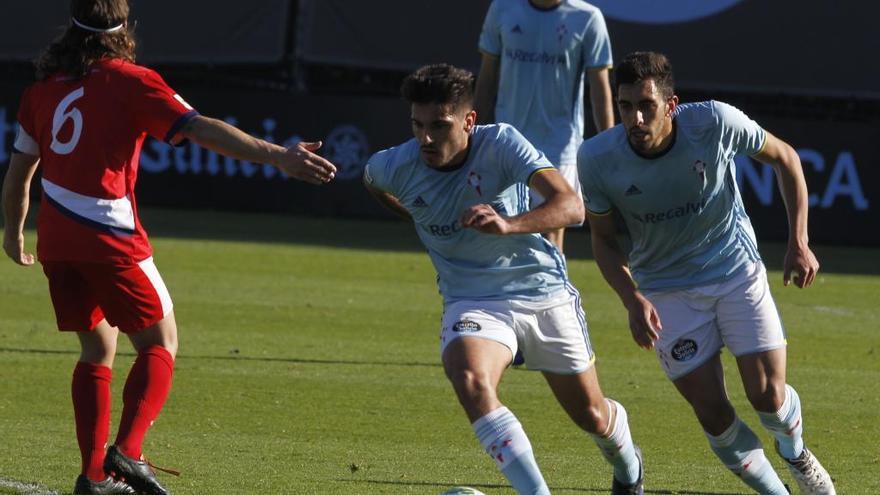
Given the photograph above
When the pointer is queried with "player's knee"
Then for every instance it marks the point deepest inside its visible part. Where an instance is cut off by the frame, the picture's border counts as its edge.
(171, 347)
(768, 398)
(102, 355)
(593, 419)
(714, 416)
(97, 350)
(470, 385)
(161, 335)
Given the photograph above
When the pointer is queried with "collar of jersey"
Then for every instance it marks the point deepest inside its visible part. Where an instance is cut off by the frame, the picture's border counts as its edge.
(662, 153)
(457, 167)
(545, 9)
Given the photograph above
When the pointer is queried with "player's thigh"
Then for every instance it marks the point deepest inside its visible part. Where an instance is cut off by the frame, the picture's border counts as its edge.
(747, 316)
(487, 320)
(133, 296)
(477, 345)
(763, 377)
(581, 397)
(704, 389)
(553, 333)
(99, 345)
(73, 299)
(690, 336)
(163, 334)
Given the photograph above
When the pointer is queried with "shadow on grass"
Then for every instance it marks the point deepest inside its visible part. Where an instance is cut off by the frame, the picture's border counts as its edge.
(397, 235)
(236, 357)
(440, 485)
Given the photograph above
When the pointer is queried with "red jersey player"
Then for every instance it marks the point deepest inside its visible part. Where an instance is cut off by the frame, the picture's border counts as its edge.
(84, 121)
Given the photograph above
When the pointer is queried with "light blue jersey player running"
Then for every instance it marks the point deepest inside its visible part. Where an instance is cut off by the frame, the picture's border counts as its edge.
(504, 286)
(535, 54)
(693, 281)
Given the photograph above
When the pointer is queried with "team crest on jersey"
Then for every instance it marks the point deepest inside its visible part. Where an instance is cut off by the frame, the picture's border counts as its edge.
(561, 33)
(466, 326)
(474, 180)
(684, 350)
(700, 169)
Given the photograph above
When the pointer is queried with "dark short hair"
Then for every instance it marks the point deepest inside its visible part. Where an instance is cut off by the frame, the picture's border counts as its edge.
(441, 84)
(77, 49)
(640, 66)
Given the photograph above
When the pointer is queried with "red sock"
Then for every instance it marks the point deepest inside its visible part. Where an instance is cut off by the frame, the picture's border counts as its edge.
(144, 395)
(91, 409)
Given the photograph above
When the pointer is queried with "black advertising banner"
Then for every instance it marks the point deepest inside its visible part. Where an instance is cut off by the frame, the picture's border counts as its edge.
(812, 47)
(841, 163)
(815, 47)
(840, 160)
(390, 34)
(194, 31)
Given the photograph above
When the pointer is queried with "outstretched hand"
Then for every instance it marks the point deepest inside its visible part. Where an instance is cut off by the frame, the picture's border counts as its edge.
(14, 248)
(644, 322)
(300, 162)
(801, 262)
(485, 219)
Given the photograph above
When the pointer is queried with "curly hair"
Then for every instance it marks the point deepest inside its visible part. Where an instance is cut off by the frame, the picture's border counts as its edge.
(77, 49)
(439, 83)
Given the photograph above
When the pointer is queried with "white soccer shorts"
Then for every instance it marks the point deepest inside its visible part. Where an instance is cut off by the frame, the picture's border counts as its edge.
(738, 313)
(551, 333)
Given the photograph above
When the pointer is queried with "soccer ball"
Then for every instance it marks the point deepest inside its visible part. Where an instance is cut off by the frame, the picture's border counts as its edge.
(462, 490)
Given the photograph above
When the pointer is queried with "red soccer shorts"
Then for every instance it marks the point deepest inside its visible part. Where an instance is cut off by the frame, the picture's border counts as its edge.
(130, 296)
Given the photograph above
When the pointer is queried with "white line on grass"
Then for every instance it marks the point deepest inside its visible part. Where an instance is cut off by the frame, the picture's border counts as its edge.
(26, 488)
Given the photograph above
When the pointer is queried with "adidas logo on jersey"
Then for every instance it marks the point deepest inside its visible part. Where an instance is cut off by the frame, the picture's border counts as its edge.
(633, 190)
(419, 202)
(516, 29)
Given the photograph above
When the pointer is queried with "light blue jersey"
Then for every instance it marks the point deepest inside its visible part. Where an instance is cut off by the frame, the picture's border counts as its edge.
(544, 54)
(683, 208)
(472, 265)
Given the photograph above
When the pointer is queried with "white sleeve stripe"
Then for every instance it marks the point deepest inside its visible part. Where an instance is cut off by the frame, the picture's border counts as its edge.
(25, 143)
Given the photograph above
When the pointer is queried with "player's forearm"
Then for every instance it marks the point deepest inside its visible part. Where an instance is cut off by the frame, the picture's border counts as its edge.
(16, 199)
(601, 101)
(793, 187)
(485, 94)
(484, 104)
(227, 140)
(557, 212)
(389, 202)
(614, 268)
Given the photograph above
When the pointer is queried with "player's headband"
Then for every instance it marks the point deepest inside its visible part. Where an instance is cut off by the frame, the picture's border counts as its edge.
(96, 30)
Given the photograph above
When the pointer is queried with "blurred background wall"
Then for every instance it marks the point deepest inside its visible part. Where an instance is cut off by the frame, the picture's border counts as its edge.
(329, 70)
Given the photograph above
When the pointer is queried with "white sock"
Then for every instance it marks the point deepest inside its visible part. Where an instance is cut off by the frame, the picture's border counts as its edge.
(617, 446)
(503, 438)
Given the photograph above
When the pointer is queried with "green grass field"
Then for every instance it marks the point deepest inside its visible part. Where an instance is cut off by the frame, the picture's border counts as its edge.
(308, 365)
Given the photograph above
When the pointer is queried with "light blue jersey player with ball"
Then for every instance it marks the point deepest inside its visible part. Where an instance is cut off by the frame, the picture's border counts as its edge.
(504, 286)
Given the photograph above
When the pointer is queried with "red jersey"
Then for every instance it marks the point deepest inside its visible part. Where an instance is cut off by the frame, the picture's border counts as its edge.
(88, 134)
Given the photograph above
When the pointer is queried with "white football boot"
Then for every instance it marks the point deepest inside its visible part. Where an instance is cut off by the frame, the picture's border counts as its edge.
(811, 477)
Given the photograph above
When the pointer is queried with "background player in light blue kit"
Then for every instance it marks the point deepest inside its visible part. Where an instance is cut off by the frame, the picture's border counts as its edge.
(534, 56)
(504, 286)
(693, 281)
